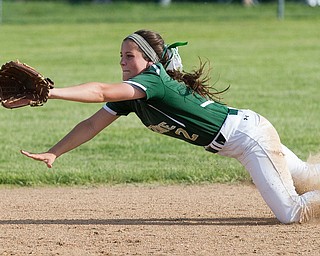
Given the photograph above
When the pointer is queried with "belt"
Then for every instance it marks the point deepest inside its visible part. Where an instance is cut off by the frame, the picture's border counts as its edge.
(233, 111)
(219, 140)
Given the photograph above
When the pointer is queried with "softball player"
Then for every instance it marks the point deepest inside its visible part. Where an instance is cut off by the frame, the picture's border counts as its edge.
(178, 104)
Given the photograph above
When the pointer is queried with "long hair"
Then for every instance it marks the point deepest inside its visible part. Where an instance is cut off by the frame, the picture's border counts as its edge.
(197, 80)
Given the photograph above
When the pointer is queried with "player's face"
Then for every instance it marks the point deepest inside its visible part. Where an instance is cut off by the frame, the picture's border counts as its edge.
(132, 62)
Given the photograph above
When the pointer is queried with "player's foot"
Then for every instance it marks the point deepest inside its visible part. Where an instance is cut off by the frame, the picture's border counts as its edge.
(310, 207)
(309, 180)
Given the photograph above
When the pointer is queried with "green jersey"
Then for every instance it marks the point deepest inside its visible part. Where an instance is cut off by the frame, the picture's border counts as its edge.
(171, 108)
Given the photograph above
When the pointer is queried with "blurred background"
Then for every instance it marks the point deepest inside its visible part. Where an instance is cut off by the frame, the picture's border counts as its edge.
(266, 50)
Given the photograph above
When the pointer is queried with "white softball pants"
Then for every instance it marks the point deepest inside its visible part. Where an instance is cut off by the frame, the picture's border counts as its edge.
(274, 169)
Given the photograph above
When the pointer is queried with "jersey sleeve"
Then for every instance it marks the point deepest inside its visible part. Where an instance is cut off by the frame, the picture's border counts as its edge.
(150, 81)
(120, 108)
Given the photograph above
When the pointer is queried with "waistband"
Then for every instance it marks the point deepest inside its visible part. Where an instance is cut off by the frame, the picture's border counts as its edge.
(219, 140)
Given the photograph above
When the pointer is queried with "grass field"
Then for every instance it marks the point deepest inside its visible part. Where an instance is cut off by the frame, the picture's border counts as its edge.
(272, 66)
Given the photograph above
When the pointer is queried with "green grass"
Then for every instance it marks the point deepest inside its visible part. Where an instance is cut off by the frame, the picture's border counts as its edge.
(272, 66)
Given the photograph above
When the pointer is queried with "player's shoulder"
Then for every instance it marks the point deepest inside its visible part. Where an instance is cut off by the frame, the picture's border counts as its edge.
(156, 69)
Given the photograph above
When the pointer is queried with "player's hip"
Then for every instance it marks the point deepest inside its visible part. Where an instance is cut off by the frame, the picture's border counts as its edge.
(246, 130)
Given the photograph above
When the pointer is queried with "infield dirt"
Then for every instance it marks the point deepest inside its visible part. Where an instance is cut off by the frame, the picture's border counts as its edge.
(213, 219)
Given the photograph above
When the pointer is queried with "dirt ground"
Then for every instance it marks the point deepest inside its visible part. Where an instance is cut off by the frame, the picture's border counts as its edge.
(147, 220)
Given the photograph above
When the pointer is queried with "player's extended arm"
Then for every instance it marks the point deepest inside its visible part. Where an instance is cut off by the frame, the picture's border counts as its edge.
(80, 134)
(95, 92)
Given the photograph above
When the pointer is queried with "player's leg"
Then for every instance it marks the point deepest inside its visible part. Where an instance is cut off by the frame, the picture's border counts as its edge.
(268, 167)
(306, 176)
(275, 187)
(256, 144)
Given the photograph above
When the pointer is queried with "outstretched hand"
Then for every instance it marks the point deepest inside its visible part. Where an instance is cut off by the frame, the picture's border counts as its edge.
(47, 158)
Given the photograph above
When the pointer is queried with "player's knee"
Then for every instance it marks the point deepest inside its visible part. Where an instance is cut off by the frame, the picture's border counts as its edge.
(290, 214)
(287, 220)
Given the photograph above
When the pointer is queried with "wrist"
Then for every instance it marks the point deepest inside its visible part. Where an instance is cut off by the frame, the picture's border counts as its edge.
(53, 152)
(51, 93)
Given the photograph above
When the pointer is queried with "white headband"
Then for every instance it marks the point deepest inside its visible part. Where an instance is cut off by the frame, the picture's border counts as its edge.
(145, 47)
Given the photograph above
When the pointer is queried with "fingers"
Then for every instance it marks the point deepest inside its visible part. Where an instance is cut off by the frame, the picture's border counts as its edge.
(39, 157)
(49, 164)
(47, 158)
(25, 153)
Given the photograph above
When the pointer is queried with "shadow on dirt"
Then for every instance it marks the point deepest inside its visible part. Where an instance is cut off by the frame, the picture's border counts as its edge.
(152, 221)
